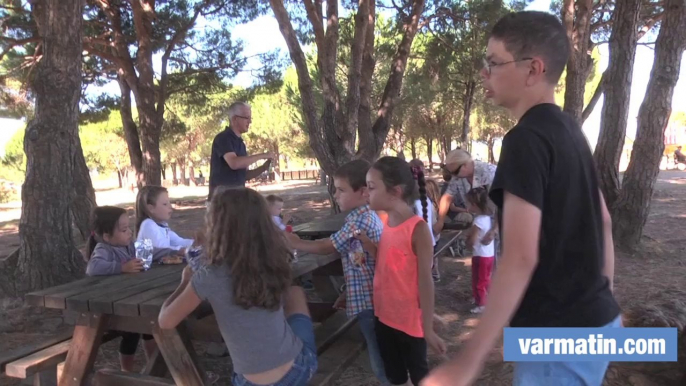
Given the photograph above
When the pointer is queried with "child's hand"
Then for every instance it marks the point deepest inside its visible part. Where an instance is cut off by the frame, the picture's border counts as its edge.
(340, 303)
(286, 218)
(435, 343)
(361, 235)
(132, 266)
(181, 252)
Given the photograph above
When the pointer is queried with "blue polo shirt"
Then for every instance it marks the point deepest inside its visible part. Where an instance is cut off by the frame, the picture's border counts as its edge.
(221, 173)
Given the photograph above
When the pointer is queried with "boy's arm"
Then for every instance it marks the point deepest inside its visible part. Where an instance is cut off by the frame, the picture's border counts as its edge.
(609, 266)
(523, 223)
(317, 247)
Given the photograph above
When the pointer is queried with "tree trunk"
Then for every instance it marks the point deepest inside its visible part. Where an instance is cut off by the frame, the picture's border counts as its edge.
(430, 151)
(182, 168)
(491, 154)
(175, 181)
(467, 102)
(577, 20)
(120, 178)
(413, 148)
(333, 132)
(615, 111)
(633, 205)
(131, 137)
(84, 195)
(47, 255)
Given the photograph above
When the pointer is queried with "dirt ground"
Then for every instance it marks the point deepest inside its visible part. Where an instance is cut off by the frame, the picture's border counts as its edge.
(654, 275)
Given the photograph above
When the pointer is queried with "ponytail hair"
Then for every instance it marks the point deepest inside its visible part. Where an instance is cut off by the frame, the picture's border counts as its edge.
(418, 175)
(103, 221)
(147, 195)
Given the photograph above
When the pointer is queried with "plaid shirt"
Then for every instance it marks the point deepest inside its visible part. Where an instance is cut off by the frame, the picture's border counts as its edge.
(358, 264)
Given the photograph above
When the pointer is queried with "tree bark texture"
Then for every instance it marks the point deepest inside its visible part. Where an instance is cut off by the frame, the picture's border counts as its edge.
(633, 205)
(131, 137)
(334, 131)
(47, 255)
(467, 102)
(576, 16)
(617, 85)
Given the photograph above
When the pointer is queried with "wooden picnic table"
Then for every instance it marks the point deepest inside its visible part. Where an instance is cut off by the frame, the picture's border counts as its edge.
(321, 228)
(132, 303)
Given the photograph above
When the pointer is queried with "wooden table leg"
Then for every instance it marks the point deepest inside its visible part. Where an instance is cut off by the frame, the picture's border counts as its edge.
(83, 349)
(156, 365)
(179, 354)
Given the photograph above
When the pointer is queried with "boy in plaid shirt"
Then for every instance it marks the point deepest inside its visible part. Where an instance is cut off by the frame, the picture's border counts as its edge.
(358, 263)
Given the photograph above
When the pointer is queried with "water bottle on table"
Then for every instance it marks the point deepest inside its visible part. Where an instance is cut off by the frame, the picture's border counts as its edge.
(289, 229)
(144, 252)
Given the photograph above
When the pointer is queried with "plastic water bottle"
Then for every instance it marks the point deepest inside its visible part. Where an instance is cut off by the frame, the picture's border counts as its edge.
(144, 252)
(289, 229)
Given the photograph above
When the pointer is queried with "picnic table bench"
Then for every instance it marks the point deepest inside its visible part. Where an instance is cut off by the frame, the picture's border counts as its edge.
(132, 303)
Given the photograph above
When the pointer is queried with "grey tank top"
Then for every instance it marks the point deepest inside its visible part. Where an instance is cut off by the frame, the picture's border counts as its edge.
(258, 339)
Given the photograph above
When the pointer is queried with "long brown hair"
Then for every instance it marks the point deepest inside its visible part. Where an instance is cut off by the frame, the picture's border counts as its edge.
(147, 195)
(242, 236)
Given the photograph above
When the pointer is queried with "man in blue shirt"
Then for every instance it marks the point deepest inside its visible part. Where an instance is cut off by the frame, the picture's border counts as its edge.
(229, 160)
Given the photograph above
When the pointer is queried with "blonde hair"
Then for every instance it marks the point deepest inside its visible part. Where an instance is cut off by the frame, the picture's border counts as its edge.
(242, 236)
(147, 195)
(433, 191)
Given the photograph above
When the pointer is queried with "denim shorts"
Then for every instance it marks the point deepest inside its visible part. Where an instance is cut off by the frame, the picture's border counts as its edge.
(305, 364)
(562, 373)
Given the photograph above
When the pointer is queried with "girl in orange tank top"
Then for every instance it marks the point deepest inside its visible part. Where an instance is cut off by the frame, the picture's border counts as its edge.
(403, 286)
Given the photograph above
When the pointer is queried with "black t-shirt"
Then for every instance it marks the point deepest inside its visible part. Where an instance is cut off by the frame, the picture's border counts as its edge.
(546, 161)
(221, 173)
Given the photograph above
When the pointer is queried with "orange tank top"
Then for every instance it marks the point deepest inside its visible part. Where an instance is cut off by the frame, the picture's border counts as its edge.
(396, 280)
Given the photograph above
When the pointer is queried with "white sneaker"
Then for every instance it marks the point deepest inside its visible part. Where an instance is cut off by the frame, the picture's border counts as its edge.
(477, 310)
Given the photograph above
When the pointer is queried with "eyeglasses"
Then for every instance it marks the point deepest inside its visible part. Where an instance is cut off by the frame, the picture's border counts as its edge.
(489, 65)
(456, 172)
(249, 119)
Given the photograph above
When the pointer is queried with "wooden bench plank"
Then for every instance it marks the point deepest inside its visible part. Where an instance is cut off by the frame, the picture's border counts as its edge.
(30, 349)
(104, 303)
(111, 377)
(80, 301)
(38, 361)
(129, 306)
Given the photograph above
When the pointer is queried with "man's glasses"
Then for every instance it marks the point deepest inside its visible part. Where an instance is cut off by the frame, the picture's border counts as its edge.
(249, 119)
(489, 65)
(456, 172)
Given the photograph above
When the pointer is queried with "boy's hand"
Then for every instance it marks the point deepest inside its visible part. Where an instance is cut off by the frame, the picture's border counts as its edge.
(341, 302)
(181, 252)
(132, 266)
(286, 218)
